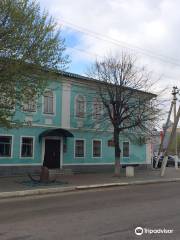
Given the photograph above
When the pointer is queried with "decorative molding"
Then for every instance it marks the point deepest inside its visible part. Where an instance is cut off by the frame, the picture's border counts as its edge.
(48, 121)
(65, 104)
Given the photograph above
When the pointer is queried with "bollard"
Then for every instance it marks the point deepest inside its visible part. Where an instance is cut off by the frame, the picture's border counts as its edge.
(129, 171)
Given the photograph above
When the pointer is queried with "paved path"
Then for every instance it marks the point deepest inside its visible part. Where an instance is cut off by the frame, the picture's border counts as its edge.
(8, 184)
(110, 214)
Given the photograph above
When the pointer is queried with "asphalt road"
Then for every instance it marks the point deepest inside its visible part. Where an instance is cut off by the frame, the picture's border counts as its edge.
(89, 215)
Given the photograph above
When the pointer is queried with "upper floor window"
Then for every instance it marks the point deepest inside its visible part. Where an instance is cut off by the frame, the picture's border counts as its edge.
(5, 146)
(30, 106)
(80, 106)
(97, 108)
(48, 102)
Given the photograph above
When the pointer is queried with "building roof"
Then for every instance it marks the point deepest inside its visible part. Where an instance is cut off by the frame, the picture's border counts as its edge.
(85, 78)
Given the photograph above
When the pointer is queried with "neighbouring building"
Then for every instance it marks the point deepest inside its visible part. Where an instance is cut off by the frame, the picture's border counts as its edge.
(59, 132)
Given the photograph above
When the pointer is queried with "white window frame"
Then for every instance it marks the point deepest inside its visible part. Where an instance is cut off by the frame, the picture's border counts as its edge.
(100, 140)
(81, 139)
(54, 104)
(123, 149)
(21, 137)
(75, 106)
(12, 145)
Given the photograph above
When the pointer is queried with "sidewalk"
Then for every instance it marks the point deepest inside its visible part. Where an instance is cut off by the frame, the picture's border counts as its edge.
(22, 186)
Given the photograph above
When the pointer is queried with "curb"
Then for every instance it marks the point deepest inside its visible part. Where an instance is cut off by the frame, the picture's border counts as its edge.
(40, 191)
(139, 182)
(46, 191)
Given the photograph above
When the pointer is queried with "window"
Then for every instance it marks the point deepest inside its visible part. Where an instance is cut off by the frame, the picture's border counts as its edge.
(80, 106)
(96, 148)
(97, 108)
(79, 148)
(5, 146)
(27, 147)
(125, 149)
(30, 106)
(48, 102)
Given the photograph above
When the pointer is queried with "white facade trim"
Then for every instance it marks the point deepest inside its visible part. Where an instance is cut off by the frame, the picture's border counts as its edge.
(20, 164)
(79, 164)
(65, 104)
(71, 164)
(44, 125)
(148, 153)
(103, 163)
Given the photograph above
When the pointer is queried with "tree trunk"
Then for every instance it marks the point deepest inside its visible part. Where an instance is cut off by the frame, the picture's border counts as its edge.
(117, 153)
(44, 175)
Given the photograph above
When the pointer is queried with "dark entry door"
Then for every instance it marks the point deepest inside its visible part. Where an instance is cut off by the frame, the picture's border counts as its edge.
(52, 153)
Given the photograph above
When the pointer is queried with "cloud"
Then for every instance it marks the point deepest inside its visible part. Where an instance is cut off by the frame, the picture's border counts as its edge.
(149, 29)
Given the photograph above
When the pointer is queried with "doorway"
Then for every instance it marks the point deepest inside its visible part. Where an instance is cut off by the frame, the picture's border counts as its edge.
(52, 153)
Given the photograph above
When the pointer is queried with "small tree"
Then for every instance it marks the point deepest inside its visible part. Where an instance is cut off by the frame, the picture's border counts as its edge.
(30, 44)
(123, 93)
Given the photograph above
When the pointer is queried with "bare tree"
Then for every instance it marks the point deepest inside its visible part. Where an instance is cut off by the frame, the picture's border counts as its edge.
(124, 93)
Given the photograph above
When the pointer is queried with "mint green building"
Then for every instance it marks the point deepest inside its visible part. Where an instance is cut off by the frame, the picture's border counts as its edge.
(61, 131)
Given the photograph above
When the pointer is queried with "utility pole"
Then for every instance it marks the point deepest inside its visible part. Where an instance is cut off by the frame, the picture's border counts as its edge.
(174, 93)
(163, 167)
(164, 134)
(173, 135)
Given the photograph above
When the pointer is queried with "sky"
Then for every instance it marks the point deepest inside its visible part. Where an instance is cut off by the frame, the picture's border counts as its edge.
(148, 29)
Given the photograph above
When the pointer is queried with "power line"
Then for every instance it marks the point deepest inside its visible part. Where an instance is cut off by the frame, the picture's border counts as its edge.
(86, 52)
(149, 53)
(99, 56)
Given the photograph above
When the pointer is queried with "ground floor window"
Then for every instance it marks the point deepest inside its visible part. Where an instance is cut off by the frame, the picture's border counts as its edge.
(79, 148)
(125, 149)
(96, 148)
(27, 146)
(5, 146)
